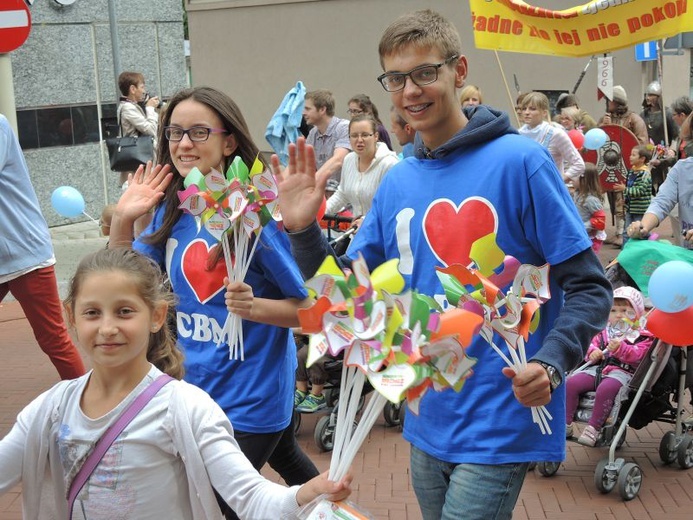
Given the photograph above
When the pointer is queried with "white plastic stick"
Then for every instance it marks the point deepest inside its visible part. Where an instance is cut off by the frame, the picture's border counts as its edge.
(375, 406)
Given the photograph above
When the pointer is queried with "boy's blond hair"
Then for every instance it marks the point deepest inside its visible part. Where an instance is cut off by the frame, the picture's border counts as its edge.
(422, 29)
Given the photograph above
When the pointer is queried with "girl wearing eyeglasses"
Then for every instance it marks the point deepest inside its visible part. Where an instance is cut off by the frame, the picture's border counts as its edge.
(204, 128)
(362, 104)
(363, 168)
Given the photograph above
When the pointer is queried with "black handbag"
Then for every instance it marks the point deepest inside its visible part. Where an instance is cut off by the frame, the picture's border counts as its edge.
(126, 153)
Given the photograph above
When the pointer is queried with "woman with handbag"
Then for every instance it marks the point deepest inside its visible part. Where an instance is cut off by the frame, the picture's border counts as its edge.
(203, 128)
(136, 113)
(129, 430)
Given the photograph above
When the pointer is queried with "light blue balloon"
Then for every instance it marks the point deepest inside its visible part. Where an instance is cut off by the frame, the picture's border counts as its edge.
(595, 139)
(671, 286)
(67, 201)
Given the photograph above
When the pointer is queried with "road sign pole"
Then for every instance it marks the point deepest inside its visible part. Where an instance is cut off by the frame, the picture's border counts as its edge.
(7, 103)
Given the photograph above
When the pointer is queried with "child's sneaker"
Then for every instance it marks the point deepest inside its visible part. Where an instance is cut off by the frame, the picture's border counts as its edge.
(312, 403)
(589, 436)
(569, 430)
(299, 397)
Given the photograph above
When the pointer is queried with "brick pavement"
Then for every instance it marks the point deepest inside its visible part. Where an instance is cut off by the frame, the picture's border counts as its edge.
(382, 484)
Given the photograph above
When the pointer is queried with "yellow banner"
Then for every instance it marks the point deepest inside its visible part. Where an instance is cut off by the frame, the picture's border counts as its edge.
(593, 28)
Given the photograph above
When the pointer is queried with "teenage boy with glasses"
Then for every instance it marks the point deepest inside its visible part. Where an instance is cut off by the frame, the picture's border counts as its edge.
(473, 175)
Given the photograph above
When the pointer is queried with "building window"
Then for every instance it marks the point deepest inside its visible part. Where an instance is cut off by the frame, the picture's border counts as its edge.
(62, 126)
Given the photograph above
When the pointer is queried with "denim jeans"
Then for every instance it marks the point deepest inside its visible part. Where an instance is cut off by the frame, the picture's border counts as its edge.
(630, 218)
(447, 491)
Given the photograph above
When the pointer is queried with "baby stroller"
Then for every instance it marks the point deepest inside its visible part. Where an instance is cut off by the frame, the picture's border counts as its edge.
(651, 391)
(660, 380)
(339, 230)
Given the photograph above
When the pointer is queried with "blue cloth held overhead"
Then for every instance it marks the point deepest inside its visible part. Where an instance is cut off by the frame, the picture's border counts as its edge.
(284, 126)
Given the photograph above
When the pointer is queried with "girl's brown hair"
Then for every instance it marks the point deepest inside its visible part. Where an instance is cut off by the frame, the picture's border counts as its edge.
(162, 351)
(364, 117)
(364, 102)
(588, 184)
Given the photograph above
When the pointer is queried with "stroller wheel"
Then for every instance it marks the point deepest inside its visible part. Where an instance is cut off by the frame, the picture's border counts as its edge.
(685, 452)
(629, 481)
(604, 480)
(324, 434)
(668, 451)
(391, 413)
(548, 469)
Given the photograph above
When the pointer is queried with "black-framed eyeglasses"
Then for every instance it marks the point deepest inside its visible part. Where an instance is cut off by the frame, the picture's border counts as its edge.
(421, 75)
(355, 111)
(362, 136)
(196, 134)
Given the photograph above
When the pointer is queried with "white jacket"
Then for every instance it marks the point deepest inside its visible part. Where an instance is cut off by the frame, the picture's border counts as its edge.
(358, 188)
(566, 157)
(135, 122)
(199, 430)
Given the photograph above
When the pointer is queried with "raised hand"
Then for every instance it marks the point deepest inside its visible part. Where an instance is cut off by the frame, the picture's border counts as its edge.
(300, 190)
(146, 188)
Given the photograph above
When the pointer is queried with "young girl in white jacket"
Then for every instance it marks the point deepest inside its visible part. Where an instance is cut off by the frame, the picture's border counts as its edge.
(172, 456)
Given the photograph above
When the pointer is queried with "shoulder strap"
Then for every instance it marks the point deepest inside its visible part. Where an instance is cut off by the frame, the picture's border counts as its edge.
(547, 136)
(111, 435)
(119, 113)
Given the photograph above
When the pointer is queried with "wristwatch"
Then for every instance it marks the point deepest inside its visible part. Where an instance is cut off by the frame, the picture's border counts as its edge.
(554, 374)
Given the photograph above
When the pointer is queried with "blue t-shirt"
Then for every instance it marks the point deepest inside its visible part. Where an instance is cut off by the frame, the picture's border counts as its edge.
(257, 393)
(427, 213)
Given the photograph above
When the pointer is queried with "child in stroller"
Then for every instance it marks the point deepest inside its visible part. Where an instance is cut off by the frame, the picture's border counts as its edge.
(613, 356)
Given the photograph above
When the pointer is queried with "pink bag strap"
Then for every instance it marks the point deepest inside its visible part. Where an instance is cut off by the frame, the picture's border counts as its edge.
(111, 434)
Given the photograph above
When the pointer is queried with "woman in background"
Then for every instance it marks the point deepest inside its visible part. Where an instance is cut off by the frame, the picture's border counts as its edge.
(535, 114)
(362, 104)
(470, 96)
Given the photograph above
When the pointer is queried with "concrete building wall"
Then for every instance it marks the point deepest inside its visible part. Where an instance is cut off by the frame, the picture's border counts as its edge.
(68, 62)
(256, 50)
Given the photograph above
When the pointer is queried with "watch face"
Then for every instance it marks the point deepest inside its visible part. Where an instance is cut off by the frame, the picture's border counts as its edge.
(554, 377)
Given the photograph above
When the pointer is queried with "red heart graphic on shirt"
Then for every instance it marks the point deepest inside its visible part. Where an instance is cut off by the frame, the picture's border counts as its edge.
(451, 230)
(205, 284)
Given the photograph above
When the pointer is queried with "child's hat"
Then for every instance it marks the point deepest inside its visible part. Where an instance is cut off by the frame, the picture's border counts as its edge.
(634, 297)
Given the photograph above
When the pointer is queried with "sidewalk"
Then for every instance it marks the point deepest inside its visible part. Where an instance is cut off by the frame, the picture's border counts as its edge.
(381, 470)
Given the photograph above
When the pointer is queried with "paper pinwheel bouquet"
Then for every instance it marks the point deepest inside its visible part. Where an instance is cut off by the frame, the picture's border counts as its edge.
(405, 345)
(234, 208)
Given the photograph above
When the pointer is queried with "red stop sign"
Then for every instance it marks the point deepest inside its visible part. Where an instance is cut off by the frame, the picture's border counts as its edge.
(15, 25)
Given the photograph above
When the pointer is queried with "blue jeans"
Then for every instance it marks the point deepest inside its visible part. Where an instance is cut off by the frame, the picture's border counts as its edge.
(447, 491)
(630, 218)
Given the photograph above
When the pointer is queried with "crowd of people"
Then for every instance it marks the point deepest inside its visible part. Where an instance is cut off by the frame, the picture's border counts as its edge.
(203, 439)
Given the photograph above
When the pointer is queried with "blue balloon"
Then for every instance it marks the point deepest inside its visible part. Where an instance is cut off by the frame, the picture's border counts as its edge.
(671, 286)
(595, 139)
(67, 201)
